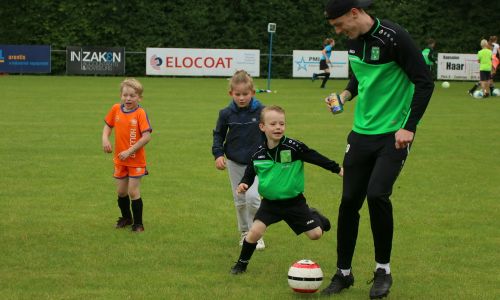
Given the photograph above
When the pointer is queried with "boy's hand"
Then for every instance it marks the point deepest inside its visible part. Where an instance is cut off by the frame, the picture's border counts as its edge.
(106, 146)
(341, 173)
(242, 188)
(124, 154)
(220, 163)
(403, 138)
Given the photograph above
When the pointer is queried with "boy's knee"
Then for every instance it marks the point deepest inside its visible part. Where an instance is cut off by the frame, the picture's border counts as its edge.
(315, 234)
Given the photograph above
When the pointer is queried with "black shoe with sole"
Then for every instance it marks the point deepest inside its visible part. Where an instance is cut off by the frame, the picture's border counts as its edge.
(325, 223)
(123, 222)
(382, 282)
(137, 228)
(239, 268)
(339, 282)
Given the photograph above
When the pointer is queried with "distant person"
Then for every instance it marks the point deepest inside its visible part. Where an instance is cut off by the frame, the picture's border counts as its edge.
(484, 57)
(132, 133)
(491, 46)
(495, 58)
(324, 62)
(393, 87)
(430, 55)
(279, 165)
(235, 138)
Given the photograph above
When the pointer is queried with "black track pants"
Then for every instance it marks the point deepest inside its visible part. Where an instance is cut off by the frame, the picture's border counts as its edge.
(371, 166)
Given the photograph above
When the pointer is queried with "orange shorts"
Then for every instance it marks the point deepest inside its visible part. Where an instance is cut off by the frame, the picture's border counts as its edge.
(125, 171)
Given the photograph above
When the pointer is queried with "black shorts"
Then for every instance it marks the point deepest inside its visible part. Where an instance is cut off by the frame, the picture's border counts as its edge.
(295, 212)
(323, 65)
(484, 75)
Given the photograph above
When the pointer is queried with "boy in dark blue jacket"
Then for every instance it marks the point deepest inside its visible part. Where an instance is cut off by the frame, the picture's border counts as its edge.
(236, 136)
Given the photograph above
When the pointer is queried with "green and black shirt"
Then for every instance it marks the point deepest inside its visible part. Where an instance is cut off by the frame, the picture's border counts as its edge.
(390, 79)
(281, 169)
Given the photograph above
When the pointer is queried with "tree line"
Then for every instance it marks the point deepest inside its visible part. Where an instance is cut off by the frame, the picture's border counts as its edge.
(457, 26)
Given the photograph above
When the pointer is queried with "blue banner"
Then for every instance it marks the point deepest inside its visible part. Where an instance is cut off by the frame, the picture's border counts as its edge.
(24, 59)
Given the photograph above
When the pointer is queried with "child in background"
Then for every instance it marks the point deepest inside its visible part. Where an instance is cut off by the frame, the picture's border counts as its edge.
(132, 133)
(237, 135)
(279, 165)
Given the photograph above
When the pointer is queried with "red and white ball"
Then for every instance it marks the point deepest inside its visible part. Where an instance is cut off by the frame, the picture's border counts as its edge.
(305, 276)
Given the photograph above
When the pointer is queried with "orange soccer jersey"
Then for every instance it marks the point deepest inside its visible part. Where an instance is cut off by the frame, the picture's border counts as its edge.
(129, 127)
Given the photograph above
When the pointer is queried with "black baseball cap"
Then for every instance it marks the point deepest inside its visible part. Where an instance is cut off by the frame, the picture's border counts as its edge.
(337, 8)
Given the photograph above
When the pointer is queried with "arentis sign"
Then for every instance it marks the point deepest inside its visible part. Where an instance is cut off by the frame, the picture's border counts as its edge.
(95, 60)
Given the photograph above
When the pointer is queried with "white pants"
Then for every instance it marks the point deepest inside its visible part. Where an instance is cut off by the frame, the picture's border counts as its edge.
(246, 204)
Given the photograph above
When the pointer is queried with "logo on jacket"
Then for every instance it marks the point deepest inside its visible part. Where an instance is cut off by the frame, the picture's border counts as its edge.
(375, 53)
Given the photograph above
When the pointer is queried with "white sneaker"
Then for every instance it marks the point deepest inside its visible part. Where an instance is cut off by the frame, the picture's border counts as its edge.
(242, 237)
(260, 244)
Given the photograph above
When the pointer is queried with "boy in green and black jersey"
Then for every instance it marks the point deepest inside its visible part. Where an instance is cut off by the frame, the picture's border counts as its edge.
(279, 165)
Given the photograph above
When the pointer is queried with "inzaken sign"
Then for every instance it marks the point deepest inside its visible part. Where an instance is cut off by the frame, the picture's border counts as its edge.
(95, 60)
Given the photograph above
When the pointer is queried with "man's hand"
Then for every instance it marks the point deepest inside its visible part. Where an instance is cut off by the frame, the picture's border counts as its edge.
(403, 138)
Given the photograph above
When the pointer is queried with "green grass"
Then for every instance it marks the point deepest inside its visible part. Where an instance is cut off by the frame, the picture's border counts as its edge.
(58, 202)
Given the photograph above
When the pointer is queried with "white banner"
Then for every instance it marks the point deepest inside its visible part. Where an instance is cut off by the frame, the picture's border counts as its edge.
(306, 62)
(457, 66)
(201, 62)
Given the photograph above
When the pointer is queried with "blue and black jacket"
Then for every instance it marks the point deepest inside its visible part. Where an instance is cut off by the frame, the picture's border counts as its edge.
(237, 134)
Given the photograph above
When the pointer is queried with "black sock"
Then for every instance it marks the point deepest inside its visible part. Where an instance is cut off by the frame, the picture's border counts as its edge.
(137, 210)
(124, 205)
(473, 89)
(246, 251)
(325, 79)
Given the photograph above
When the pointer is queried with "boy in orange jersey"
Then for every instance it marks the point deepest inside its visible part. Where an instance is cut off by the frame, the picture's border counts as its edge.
(132, 133)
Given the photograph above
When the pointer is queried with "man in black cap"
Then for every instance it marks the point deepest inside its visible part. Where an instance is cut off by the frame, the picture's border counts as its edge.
(393, 87)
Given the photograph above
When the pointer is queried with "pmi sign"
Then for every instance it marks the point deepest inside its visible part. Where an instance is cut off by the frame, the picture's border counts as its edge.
(201, 62)
(457, 66)
(306, 63)
(25, 59)
(95, 60)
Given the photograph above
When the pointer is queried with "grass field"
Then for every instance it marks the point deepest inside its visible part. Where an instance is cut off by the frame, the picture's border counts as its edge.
(58, 202)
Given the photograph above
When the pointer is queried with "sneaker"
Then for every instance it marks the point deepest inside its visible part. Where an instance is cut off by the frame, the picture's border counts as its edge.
(123, 222)
(339, 282)
(242, 237)
(260, 244)
(325, 223)
(137, 228)
(239, 268)
(381, 284)
(314, 77)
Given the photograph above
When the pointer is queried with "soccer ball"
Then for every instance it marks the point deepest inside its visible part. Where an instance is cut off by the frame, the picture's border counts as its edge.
(477, 94)
(305, 276)
(445, 84)
(496, 92)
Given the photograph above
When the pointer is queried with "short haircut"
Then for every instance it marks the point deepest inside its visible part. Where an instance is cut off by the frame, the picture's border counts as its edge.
(241, 76)
(134, 84)
(266, 109)
(484, 43)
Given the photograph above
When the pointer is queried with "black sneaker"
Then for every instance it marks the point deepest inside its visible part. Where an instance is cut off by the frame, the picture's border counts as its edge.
(137, 228)
(123, 222)
(239, 268)
(339, 282)
(381, 284)
(314, 77)
(325, 223)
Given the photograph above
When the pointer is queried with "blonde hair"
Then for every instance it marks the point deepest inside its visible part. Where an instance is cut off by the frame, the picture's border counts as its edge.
(241, 76)
(484, 43)
(267, 109)
(134, 84)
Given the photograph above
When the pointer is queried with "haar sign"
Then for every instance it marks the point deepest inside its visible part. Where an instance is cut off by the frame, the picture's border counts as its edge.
(306, 62)
(457, 66)
(95, 60)
(201, 62)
